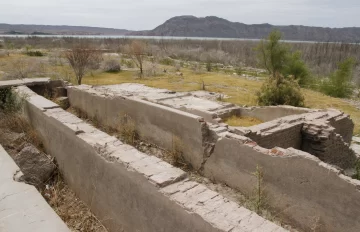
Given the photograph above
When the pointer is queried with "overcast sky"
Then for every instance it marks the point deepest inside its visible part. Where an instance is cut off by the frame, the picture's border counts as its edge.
(142, 14)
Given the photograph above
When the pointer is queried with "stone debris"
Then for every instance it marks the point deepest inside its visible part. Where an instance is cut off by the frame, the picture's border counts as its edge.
(36, 166)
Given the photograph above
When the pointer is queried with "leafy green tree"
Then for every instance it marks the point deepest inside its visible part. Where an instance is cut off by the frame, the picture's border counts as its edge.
(339, 83)
(296, 67)
(277, 59)
(273, 54)
(287, 71)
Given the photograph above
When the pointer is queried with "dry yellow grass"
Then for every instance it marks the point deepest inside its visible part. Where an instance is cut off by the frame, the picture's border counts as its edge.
(243, 121)
(240, 91)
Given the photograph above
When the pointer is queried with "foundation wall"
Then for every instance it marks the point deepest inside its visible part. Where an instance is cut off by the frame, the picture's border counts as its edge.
(155, 123)
(128, 190)
(270, 113)
(307, 191)
(285, 137)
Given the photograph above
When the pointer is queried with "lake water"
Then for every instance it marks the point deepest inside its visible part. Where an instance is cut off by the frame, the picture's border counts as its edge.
(143, 37)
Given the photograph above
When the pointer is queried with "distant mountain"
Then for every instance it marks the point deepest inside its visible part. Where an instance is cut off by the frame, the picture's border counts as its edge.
(191, 26)
(57, 30)
(211, 26)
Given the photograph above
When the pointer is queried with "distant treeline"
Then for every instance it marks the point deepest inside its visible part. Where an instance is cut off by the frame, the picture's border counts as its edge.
(321, 58)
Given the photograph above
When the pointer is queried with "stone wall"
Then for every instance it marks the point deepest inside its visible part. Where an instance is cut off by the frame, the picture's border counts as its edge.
(321, 140)
(129, 190)
(321, 133)
(302, 188)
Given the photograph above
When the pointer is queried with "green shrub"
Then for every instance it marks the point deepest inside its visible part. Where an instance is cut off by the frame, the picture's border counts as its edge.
(339, 83)
(280, 91)
(167, 61)
(357, 170)
(209, 66)
(239, 71)
(297, 68)
(9, 103)
(35, 53)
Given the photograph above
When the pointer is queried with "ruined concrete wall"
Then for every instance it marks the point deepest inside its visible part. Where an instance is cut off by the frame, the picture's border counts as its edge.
(306, 190)
(155, 123)
(22, 208)
(344, 126)
(128, 190)
(321, 140)
(270, 113)
(281, 135)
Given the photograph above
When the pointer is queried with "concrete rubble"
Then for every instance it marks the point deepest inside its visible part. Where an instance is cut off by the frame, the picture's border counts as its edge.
(22, 208)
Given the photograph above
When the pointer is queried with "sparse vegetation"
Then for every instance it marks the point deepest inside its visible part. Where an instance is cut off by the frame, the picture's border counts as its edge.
(137, 51)
(111, 65)
(339, 83)
(127, 129)
(81, 58)
(259, 193)
(286, 71)
(243, 121)
(357, 170)
(35, 53)
(277, 59)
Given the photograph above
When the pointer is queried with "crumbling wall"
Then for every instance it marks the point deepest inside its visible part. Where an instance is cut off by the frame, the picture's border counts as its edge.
(129, 190)
(322, 141)
(155, 123)
(344, 126)
(283, 133)
(305, 190)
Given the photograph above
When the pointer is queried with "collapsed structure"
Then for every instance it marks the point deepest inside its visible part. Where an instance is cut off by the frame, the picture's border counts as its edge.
(305, 156)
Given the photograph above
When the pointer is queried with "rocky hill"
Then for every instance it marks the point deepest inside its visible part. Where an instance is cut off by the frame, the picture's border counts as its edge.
(58, 30)
(211, 26)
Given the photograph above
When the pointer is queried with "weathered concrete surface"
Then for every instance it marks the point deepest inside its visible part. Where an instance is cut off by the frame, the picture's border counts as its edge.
(129, 190)
(306, 190)
(22, 208)
(270, 113)
(200, 103)
(155, 123)
(25, 81)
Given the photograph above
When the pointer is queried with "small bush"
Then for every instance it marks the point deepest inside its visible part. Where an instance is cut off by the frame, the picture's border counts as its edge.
(127, 130)
(339, 83)
(357, 170)
(9, 103)
(280, 91)
(128, 63)
(297, 68)
(35, 53)
(239, 71)
(209, 66)
(167, 61)
(111, 66)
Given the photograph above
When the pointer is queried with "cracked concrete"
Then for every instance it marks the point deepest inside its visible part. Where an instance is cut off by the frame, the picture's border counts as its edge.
(22, 208)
